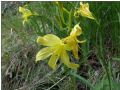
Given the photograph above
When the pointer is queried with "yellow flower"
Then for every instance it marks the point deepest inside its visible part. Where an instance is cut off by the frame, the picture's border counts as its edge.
(56, 49)
(26, 13)
(72, 40)
(84, 11)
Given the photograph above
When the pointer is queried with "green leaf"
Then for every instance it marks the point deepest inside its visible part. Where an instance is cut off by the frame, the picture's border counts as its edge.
(83, 80)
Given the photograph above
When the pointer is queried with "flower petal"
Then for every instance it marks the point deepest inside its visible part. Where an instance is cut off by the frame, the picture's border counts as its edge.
(54, 58)
(53, 61)
(49, 40)
(44, 53)
(75, 50)
(65, 60)
(73, 45)
(67, 47)
(21, 9)
(80, 41)
(76, 31)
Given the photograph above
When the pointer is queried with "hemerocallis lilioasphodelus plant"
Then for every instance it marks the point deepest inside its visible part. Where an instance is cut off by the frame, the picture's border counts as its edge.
(72, 40)
(26, 13)
(56, 49)
(84, 11)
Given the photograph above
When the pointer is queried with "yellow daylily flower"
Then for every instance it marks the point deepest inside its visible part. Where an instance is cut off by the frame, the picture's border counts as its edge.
(72, 40)
(84, 11)
(26, 13)
(56, 49)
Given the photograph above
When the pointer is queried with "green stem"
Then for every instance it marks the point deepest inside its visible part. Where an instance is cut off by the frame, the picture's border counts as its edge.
(97, 22)
(70, 21)
(74, 83)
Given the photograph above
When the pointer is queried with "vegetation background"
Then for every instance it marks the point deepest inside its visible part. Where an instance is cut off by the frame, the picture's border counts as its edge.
(100, 55)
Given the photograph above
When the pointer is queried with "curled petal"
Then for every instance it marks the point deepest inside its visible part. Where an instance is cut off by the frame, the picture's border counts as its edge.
(83, 41)
(66, 61)
(49, 40)
(76, 31)
(44, 53)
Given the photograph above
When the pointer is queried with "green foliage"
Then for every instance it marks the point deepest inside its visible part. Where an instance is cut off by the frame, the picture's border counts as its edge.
(102, 46)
